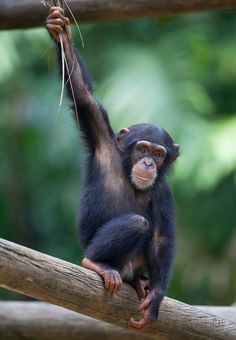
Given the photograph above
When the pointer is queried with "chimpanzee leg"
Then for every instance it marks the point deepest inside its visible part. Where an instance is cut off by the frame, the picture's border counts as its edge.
(114, 244)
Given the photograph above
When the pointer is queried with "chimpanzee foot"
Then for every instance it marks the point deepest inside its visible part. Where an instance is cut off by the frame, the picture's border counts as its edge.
(144, 308)
(112, 280)
(141, 286)
(111, 277)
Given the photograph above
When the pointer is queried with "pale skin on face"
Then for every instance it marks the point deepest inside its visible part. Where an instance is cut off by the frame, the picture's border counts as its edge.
(150, 157)
(141, 178)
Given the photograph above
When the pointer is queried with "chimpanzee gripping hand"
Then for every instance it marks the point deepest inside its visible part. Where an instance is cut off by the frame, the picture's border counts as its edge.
(57, 24)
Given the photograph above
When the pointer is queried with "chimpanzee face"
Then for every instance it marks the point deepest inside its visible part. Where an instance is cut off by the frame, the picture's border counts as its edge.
(146, 151)
(147, 159)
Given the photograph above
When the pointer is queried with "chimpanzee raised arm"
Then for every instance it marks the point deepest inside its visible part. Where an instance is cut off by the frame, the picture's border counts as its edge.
(89, 112)
(126, 221)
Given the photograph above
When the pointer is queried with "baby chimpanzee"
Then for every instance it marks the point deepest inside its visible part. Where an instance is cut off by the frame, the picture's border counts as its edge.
(127, 222)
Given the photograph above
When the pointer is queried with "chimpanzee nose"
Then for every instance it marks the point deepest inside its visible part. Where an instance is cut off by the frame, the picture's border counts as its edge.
(148, 162)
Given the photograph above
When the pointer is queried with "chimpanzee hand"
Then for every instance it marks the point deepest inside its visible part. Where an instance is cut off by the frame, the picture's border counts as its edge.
(149, 308)
(57, 23)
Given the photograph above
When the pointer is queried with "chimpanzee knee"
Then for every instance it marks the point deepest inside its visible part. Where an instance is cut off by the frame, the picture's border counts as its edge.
(141, 223)
(118, 239)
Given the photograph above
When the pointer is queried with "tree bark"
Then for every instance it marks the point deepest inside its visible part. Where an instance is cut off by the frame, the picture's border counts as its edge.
(228, 313)
(31, 13)
(52, 280)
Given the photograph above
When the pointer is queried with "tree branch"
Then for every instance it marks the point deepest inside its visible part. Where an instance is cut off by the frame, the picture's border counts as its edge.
(52, 280)
(31, 13)
(43, 321)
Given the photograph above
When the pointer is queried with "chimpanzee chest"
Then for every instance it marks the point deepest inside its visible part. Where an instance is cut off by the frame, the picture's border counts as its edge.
(108, 197)
(114, 201)
(121, 197)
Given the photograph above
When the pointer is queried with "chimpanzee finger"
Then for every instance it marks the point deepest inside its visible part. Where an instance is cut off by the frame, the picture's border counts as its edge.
(54, 28)
(56, 14)
(67, 26)
(138, 324)
(67, 20)
(118, 283)
(58, 22)
(114, 286)
(111, 284)
(56, 8)
(144, 305)
(106, 281)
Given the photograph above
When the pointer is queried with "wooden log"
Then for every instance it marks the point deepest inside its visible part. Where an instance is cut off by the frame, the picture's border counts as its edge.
(31, 13)
(52, 280)
(43, 321)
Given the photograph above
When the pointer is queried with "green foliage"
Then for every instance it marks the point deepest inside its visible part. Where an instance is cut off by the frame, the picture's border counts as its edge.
(177, 72)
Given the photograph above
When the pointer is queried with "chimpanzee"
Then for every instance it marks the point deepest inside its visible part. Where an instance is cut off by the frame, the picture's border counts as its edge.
(127, 222)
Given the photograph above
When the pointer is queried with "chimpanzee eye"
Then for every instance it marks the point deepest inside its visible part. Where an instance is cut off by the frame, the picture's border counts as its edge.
(142, 149)
(157, 154)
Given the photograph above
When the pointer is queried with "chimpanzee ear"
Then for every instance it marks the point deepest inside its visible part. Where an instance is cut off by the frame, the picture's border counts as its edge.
(177, 151)
(119, 138)
(123, 132)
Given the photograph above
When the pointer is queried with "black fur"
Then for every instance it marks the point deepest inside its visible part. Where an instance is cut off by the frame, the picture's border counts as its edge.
(119, 222)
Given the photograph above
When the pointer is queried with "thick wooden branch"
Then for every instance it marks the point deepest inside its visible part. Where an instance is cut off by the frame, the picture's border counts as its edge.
(43, 321)
(31, 13)
(52, 280)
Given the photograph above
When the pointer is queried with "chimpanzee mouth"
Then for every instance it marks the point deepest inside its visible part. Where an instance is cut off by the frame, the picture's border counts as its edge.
(141, 177)
(141, 182)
